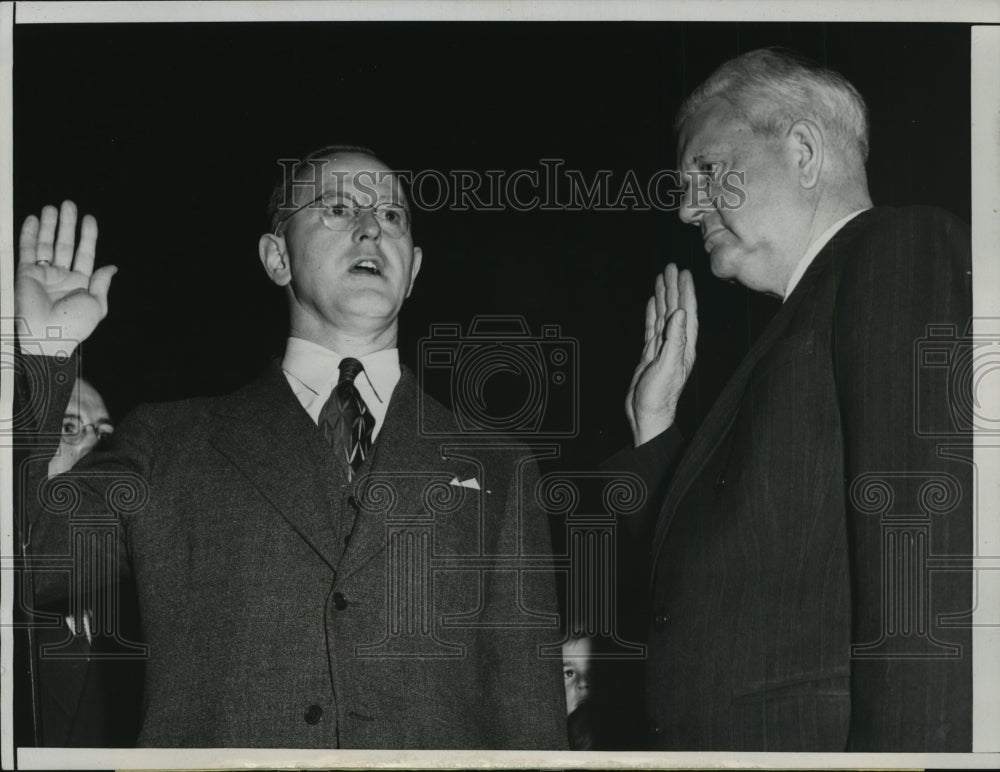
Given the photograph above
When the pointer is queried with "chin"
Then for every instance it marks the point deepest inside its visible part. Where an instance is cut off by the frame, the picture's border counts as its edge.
(367, 305)
(725, 263)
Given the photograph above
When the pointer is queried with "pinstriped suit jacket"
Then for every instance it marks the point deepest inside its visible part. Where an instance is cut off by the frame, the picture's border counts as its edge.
(799, 585)
(284, 607)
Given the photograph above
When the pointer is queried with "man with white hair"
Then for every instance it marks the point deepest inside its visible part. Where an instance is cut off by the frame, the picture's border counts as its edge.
(795, 601)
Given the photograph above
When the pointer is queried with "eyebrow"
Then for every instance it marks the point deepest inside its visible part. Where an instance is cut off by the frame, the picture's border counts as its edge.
(348, 196)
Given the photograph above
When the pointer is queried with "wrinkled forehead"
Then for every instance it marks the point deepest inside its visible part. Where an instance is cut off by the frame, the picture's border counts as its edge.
(361, 177)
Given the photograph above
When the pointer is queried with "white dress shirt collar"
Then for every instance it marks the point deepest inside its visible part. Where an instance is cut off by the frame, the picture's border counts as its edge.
(312, 372)
(814, 249)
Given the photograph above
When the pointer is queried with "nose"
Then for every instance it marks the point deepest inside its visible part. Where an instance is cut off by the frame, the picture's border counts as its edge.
(366, 226)
(691, 210)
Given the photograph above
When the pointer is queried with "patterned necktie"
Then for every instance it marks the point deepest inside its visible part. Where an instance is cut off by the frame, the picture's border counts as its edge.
(346, 421)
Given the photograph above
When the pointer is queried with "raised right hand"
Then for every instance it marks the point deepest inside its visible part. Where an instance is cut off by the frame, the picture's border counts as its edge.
(667, 355)
(56, 287)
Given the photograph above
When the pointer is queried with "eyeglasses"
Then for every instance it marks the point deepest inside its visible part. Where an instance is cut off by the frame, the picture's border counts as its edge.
(74, 431)
(341, 214)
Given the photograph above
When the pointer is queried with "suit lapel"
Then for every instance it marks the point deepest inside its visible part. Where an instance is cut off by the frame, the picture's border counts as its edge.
(263, 430)
(402, 464)
(717, 423)
(713, 429)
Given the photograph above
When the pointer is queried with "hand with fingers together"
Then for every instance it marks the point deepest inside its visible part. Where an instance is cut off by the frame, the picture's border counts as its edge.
(56, 286)
(667, 355)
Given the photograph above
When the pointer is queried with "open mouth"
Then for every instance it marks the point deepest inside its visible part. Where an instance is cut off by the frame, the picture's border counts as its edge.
(368, 266)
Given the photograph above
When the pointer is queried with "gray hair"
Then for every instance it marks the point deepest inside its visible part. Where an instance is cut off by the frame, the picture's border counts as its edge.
(774, 88)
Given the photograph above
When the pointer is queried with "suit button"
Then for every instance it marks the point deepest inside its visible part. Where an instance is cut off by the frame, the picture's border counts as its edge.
(339, 601)
(654, 729)
(314, 714)
(660, 620)
(352, 502)
(720, 485)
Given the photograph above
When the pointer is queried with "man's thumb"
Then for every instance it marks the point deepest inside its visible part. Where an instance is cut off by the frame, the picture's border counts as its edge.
(100, 283)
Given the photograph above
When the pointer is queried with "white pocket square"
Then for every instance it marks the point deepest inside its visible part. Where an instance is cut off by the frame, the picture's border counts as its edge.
(472, 483)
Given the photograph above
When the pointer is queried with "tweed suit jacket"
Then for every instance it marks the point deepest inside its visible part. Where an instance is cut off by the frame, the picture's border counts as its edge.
(285, 607)
(799, 595)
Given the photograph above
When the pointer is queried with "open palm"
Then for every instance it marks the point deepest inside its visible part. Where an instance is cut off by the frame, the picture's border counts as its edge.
(59, 298)
(668, 355)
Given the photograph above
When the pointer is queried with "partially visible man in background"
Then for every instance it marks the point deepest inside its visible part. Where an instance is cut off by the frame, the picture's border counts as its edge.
(85, 424)
(793, 605)
(88, 693)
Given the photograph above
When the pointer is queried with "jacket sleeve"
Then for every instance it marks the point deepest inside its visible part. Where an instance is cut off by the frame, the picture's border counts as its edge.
(908, 482)
(74, 524)
(653, 462)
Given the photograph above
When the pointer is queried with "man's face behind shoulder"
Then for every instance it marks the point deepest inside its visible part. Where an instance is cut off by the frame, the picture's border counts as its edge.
(353, 275)
(753, 243)
(85, 423)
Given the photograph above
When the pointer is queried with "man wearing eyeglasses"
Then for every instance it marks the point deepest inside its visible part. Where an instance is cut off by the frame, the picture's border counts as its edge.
(283, 538)
(77, 662)
(85, 424)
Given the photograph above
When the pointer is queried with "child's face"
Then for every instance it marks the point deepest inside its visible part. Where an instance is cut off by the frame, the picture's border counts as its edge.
(576, 671)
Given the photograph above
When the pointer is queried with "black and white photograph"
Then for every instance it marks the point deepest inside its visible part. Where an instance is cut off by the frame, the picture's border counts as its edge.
(540, 385)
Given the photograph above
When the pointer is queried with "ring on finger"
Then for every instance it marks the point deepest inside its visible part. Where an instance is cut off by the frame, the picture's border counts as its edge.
(43, 262)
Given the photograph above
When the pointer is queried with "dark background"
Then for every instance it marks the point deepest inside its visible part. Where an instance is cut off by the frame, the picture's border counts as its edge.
(168, 134)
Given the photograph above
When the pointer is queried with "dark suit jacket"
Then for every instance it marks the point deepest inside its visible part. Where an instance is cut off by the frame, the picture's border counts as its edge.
(284, 607)
(785, 615)
(88, 691)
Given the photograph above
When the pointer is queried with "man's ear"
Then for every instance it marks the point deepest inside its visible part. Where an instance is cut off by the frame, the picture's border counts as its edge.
(418, 255)
(807, 145)
(274, 258)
